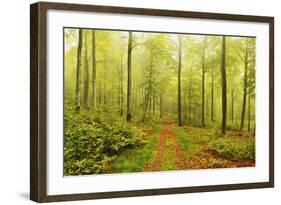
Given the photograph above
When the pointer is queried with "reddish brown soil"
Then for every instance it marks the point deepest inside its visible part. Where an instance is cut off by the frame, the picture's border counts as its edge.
(156, 163)
(167, 132)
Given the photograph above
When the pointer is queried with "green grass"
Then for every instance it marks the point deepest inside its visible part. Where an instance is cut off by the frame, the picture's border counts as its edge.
(191, 140)
(133, 160)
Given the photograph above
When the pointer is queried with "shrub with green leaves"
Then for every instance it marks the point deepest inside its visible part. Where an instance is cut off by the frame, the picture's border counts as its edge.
(234, 148)
(93, 139)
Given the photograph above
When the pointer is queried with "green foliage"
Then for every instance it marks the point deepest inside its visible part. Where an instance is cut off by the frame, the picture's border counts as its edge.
(93, 139)
(234, 148)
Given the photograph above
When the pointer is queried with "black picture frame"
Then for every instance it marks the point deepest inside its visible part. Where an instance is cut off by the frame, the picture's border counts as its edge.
(38, 102)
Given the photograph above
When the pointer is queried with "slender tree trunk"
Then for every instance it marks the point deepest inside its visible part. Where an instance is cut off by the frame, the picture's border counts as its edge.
(223, 82)
(161, 105)
(185, 104)
(78, 70)
(236, 120)
(94, 69)
(104, 84)
(179, 82)
(245, 90)
(153, 104)
(121, 88)
(203, 89)
(86, 74)
(129, 87)
(212, 97)
(232, 106)
(145, 105)
(207, 108)
(189, 95)
(249, 112)
(99, 93)
(149, 105)
(136, 96)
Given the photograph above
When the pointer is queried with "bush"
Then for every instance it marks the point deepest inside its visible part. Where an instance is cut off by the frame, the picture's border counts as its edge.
(92, 140)
(234, 148)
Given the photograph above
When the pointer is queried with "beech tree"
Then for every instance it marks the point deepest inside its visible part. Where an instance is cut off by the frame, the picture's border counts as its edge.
(86, 73)
(78, 70)
(179, 79)
(223, 84)
(94, 71)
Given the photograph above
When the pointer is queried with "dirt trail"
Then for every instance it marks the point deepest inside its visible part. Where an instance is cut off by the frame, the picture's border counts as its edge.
(167, 132)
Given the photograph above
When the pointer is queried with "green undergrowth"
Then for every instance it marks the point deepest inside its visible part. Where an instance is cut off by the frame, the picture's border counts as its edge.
(190, 140)
(234, 148)
(134, 159)
(92, 139)
(233, 145)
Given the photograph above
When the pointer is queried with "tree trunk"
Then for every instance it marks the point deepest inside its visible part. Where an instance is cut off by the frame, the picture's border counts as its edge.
(145, 105)
(179, 82)
(212, 97)
(86, 74)
(78, 70)
(104, 84)
(223, 83)
(161, 105)
(203, 89)
(129, 87)
(207, 108)
(185, 104)
(153, 104)
(99, 93)
(232, 106)
(149, 105)
(121, 88)
(189, 95)
(249, 112)
(94, 69)
(245, 90)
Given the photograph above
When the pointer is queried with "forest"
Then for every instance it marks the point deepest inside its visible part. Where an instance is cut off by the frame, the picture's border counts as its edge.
(148, 101)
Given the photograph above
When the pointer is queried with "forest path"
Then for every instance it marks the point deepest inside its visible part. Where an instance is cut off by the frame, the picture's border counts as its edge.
(169, 155)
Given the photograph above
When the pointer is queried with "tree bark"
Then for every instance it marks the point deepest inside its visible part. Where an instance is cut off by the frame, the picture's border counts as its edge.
(179, 81)
(86, 73)
(129, 87)
(245, 89)
(185, 103)
(203, 89)
(104, 84)
(78, 71)
(99, 92)
(189, 95)
(145, 105)
(94, 69)
(161, 105)
(121, 88)
(249, 112)
(153, 103)
(223, 83)
(232, 105)
(212, 97)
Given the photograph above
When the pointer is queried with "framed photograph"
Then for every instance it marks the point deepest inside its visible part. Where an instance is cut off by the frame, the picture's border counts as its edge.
(135, 102)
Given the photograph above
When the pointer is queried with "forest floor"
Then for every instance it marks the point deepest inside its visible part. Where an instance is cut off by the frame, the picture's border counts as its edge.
(171, 147)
